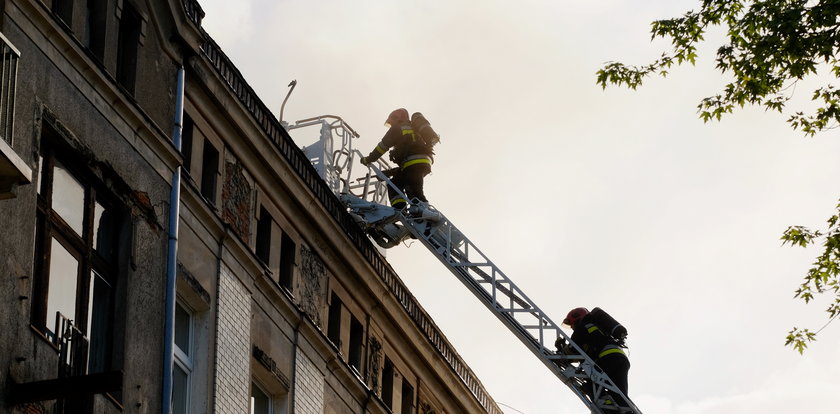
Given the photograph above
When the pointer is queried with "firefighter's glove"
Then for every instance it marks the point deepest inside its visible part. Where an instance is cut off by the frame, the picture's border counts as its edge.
(560, 343)
(364, 160)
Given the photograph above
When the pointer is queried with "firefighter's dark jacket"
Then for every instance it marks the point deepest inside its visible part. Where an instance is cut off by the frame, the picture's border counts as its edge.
(594, 341)
(408, 147)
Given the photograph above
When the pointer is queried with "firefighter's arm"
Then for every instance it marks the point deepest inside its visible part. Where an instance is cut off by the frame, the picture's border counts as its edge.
(564, 347)
(388, 141)
(380, 149)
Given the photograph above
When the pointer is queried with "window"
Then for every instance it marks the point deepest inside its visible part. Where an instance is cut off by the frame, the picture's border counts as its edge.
(187, 140)
(263, 242)
(64, 10)
(260, 401)
(209, 171)
(76, 269)
(407, 398)
(357, 334)
(127, 47)
(8, 85)
(388, 383)
(183, 361)
(287, 261)
(94, 36)
(334, 321)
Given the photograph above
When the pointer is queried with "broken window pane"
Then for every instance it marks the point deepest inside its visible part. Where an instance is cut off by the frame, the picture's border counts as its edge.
(68, 198)
(103, 230)
(64, 272)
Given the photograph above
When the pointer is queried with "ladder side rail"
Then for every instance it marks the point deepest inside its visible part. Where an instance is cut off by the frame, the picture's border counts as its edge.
(537, 345)
(599, 380)
(525, 337)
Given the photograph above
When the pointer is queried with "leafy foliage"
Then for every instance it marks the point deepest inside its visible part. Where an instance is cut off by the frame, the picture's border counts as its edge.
(821, 278)
(770, 46)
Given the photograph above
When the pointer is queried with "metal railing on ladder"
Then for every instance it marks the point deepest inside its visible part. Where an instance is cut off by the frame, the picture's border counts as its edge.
(365, 198)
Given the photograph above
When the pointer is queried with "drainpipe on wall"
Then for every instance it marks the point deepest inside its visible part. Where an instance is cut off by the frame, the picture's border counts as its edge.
(172, 252)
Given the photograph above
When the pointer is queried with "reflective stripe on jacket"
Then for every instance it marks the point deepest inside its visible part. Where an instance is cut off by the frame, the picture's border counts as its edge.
(406, 146)
(594, 341)
(416, 159)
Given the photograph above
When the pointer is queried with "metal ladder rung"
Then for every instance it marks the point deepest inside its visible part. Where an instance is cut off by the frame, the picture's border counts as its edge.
(489, 284)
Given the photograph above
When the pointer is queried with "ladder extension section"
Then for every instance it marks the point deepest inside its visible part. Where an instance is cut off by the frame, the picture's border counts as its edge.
(388, 227)
(501, 296)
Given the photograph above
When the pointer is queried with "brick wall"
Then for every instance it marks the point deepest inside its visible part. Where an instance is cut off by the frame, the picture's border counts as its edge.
(309, 387)
(233, 353)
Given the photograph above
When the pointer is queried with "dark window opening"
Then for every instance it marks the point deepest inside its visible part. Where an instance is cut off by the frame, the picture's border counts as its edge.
(95, 21)
(75, 299)
(287, 261)
(209, 171)
(334, 321)
(260, 400)
(357, 334)
(180, 389)
(263, 248)
(187, 141)
(64, 10)
(407, 398)
(128, 44)
(388, 383)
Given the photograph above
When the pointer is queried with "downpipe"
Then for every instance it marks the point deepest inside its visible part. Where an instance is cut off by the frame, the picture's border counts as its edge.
(172, 252)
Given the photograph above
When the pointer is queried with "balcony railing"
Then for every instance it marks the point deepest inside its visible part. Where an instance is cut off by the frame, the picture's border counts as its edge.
(72, 347)
(194, 11)
(8, 84)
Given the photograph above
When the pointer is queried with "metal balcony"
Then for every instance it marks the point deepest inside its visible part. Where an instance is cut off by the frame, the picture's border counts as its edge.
(13, 170)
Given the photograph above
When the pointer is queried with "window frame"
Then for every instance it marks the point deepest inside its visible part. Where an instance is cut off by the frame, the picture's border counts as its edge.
(270, 398)
(129, 35)
(185, 360)
(94, 265)
(356, 346)
(288, 255)
(210, 164)
(334, 311)
(388, 373)
(263, 236)
(96, 27)
(63, 9)
(407, 404)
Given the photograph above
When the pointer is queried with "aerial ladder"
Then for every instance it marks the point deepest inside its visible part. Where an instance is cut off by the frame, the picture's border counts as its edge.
(366, 198)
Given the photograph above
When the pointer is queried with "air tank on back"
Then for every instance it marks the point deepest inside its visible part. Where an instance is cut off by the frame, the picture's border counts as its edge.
(422, 126)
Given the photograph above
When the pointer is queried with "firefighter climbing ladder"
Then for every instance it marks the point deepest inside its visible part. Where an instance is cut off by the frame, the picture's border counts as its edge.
(462, 257)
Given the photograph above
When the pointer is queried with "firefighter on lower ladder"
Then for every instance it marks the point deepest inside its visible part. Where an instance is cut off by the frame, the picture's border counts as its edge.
(602, 338)
(412, 154)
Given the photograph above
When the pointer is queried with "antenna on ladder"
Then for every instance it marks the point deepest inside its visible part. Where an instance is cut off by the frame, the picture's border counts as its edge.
(292, 85)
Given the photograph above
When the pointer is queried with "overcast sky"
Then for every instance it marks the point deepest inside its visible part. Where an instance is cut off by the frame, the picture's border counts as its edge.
(583, 197)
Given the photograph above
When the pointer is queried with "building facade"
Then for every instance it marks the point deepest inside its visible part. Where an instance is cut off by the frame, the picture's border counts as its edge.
(276, 301)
